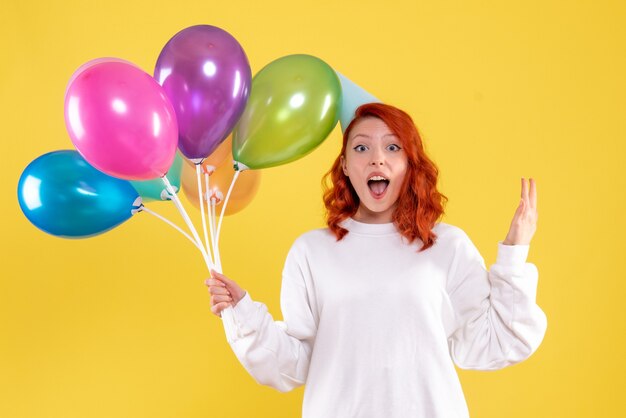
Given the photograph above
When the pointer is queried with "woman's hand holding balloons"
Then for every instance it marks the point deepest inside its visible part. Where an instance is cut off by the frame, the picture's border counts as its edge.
(224, 292)
(524, 223)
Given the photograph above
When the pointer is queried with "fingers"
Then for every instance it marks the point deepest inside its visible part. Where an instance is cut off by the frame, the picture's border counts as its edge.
(215, 299)
(223, 289)
(217, 309)
(529, 193)
(216, 287)
(220, 277)
(220, 296)
(214, 283)
(520, 209)
(524, 189)
(232, 286)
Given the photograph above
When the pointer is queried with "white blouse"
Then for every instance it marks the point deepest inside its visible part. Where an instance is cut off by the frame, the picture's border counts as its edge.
(373, 328)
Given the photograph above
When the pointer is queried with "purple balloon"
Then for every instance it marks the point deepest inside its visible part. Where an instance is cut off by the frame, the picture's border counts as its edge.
(206, 76)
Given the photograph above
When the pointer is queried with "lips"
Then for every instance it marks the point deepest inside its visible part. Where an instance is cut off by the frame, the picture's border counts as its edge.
(377, 184)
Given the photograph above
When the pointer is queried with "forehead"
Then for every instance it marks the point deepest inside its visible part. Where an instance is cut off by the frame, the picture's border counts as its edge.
(370, 127)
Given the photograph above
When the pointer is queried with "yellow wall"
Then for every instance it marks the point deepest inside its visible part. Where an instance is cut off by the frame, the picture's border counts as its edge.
(119, 325)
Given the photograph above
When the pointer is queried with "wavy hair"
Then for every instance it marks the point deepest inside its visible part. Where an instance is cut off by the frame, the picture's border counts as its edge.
(419, 205)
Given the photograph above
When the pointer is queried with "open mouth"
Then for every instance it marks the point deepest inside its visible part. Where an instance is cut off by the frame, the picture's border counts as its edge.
(378, 185)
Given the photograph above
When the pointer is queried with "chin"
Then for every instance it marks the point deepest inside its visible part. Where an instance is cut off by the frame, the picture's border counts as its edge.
(376, 209)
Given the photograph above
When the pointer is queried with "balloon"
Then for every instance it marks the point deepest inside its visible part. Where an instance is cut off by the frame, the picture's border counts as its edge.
(91, 63)
(243, 192)
(206, 75)
(61, 194)
(155, 189)
(292, 108)
(220, 154)
(120, 120)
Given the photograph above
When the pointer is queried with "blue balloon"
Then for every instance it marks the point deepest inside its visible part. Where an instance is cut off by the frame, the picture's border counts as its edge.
(61, 194)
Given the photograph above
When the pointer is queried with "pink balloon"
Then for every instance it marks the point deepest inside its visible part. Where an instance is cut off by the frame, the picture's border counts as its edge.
(121, 121)
(91, 63)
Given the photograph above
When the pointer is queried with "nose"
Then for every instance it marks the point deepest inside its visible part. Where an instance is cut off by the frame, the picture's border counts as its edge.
(377, 158)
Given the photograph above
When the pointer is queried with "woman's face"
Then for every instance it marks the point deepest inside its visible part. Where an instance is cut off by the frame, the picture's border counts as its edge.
(375, 164)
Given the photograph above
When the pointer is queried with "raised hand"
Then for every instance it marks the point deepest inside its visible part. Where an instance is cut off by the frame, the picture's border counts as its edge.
(224, 292)
(524, 223)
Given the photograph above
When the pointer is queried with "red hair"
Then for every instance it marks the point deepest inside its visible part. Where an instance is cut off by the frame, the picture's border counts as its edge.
(420, 203)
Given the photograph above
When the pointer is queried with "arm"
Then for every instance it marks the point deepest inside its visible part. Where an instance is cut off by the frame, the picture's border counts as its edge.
(277, 353)
(497, 321)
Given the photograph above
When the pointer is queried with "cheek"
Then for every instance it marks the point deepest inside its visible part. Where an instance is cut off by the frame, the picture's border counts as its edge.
(353, 166)
(402, 175)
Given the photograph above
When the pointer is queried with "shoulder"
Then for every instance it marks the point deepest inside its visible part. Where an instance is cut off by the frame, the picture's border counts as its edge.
(449, 235)
(310, 240)
(448, 231)
(311, 244)
(456, 250)
(313, 238)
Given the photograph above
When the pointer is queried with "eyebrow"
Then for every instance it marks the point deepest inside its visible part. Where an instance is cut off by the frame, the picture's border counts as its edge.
(367, 136)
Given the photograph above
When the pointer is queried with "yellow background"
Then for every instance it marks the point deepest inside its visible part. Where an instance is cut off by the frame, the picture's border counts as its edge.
(119, 325)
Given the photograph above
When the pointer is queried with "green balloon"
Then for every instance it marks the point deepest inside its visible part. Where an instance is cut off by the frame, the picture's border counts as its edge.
(293, 105)
(154, 189)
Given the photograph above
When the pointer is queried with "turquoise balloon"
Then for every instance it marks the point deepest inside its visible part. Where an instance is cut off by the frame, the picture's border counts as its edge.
(61, 194)
(154, 189)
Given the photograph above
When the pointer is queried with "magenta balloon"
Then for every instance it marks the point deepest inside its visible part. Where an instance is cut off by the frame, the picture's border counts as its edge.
(206, 75)
(91, 63)
(121, 121)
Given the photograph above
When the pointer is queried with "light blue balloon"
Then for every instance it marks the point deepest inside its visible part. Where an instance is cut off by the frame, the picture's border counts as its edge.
(352, 96)
(154, 189)
(61, 194)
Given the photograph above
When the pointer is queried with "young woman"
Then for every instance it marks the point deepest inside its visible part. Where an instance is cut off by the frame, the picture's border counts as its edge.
(380, 306)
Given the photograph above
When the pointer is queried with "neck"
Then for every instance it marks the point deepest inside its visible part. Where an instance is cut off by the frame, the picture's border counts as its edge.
(364, 215)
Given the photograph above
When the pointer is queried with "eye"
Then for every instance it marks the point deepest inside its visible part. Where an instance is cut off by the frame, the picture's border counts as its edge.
(360, 148)
(393, 147)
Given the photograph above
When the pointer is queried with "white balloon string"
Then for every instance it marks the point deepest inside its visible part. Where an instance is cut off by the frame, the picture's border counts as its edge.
(228, 318)
(201, 198)
(218, 257)
(210, 213)
(227, 314)
(213, 206)
(219, 226)
(183, 212)
(167, 221)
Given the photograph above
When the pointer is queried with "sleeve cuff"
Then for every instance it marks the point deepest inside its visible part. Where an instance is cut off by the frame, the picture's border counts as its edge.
(512, 255)
(244, 308)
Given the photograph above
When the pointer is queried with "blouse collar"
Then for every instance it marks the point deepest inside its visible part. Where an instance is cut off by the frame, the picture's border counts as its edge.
(368, 229)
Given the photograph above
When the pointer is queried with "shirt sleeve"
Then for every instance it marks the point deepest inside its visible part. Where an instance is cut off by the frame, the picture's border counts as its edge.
(497, 321)
(277, 353)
